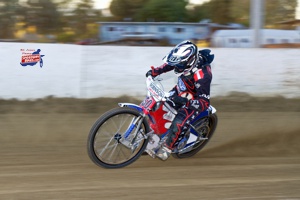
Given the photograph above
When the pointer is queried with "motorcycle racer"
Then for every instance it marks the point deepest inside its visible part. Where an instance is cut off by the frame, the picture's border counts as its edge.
(191, 95)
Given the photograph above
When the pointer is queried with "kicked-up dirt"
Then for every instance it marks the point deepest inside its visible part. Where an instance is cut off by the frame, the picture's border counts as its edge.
(254, 154)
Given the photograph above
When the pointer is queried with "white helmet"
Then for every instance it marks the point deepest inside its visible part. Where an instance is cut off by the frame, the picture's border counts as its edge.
(183, 56)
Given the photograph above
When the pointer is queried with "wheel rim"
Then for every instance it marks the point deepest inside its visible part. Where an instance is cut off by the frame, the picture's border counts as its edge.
(107, 142)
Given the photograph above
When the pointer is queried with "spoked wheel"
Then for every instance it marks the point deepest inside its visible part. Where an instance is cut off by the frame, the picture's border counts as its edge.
(116, 139)
(207, 129)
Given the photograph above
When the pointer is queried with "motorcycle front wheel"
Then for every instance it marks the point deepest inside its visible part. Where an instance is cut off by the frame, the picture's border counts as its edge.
(115, 140)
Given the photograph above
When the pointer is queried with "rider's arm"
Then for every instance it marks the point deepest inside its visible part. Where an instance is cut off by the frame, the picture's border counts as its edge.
(161, 69)
(202, 78)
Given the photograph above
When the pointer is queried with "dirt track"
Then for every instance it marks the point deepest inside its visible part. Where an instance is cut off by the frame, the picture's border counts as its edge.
(253, 155)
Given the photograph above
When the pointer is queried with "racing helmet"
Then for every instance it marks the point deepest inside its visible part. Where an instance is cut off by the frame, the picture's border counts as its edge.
(183, 56)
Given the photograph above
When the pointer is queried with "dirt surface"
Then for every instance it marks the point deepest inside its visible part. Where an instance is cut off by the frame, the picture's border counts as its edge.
(254, 154)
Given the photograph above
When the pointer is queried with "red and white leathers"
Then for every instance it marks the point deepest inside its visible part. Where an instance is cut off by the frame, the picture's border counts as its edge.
(196, 82)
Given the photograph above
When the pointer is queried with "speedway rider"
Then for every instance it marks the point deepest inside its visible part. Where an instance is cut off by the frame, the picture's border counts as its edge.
(194, 80)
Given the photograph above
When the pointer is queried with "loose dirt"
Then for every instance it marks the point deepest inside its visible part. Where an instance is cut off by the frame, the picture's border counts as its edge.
(254, 154)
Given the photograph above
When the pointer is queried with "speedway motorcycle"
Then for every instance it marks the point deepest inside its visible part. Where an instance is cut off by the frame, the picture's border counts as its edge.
(121, 135)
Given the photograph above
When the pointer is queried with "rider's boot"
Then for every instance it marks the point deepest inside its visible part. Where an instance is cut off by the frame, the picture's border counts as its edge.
(163, 153)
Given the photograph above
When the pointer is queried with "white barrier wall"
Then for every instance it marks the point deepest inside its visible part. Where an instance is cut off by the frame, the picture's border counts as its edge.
(112, 71)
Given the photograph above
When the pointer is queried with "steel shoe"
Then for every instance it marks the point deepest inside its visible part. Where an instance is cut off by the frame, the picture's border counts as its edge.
(163, 153)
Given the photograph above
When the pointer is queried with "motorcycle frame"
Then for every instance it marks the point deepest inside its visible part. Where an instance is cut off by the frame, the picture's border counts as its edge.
(159, 97)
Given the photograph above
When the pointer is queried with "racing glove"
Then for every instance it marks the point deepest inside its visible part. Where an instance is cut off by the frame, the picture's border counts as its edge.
(179, 100)
(152, 72)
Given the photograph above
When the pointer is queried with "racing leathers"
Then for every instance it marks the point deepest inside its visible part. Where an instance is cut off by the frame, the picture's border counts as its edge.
(196, 84)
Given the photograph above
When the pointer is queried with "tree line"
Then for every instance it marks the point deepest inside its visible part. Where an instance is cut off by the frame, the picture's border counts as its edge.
(70, 20)
(67, 20)
(218, 11)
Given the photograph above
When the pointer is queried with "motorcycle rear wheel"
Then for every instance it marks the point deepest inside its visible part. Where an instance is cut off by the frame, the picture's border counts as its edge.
(213, 121)
(104, 145)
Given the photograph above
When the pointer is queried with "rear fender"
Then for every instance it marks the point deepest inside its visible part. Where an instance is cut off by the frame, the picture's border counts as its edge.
(212, 109)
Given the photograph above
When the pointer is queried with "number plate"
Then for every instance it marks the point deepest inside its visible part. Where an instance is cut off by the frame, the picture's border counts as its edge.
(148, 103)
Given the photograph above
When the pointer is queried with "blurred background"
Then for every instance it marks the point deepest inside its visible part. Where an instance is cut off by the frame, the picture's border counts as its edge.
(218, 23)
(96, 54)
(88, 45)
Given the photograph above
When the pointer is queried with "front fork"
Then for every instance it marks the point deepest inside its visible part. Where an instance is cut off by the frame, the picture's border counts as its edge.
(132, 139)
